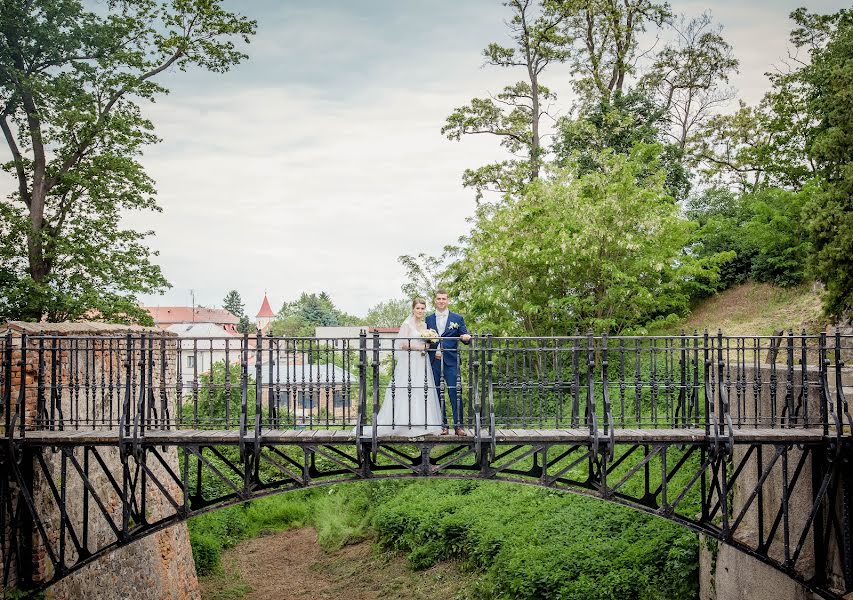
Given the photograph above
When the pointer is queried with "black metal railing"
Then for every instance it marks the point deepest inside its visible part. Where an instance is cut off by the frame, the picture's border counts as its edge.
(143, 381)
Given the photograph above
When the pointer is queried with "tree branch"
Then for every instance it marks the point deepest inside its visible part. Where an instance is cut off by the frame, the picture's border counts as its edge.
(23, 188)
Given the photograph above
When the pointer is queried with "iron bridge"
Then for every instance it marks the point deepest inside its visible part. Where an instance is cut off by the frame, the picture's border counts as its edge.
(108, 438)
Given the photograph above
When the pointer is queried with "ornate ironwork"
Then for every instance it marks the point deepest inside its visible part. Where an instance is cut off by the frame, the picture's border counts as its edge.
(744, 439)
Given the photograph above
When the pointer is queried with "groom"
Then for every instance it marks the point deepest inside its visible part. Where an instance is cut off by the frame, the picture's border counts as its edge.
(445, 356)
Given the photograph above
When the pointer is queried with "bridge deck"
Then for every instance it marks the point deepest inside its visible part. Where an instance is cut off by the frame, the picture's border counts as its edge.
(343, 436)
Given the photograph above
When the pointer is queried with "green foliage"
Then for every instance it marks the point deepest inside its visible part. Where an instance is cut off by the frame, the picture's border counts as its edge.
(604, 250)
(300, 317)
(70, 80)
(616, 125)
(763, 232)
(233, 303)
(389, 313)
(539, 544)
(828, 80)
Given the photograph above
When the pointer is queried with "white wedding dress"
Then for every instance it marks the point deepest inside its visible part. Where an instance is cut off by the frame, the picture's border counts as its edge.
(410, 407)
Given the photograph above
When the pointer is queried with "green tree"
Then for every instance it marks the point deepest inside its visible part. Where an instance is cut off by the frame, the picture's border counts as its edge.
(604, 250)
(514, 115)
(605, 39)
(763, 233)
(617, 125)
(828, 80)
(301, 317)
(233, 303)
(389, 313)
(71, 81)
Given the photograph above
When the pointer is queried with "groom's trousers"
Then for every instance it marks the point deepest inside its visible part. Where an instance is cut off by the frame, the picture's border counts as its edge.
(449, 373)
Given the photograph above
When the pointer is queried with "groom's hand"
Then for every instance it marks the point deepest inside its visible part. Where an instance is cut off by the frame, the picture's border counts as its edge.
(465, 337)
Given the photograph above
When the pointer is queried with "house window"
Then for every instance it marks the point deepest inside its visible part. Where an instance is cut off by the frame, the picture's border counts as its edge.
(339, 400)
(190, 361)
(304, 399)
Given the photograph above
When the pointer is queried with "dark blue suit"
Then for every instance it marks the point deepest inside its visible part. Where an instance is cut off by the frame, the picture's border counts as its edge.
(448, 365)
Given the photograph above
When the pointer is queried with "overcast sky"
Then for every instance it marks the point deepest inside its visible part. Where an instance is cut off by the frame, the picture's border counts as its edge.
(316, 163)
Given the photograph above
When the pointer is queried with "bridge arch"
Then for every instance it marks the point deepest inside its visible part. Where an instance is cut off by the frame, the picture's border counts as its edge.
(633, 478)
(110, 438)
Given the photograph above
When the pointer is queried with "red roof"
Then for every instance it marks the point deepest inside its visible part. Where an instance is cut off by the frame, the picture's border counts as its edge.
(385, 330)
(265, 311)
(168, 315)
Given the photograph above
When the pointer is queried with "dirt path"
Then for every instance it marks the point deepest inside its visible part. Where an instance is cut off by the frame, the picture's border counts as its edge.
(291, 565)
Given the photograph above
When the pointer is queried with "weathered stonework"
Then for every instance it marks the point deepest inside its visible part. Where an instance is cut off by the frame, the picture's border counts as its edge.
(159, 566)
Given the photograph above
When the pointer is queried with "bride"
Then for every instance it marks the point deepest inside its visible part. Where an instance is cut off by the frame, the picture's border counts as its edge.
(411, 405)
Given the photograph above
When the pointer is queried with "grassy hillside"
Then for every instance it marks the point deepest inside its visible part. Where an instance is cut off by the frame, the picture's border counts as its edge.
(757, 308)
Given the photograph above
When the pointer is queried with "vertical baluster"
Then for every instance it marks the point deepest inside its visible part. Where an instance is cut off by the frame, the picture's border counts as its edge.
(41, 412)
(622, 382)
(271, 396)
(709, 405)
(682, 388)
(590, 385)
(576, 380)
(195, 384)
(804, 378)
(653, 379)
(638, 386)
(165, 420)
(757, 381)
(179, 382)
(789, 379)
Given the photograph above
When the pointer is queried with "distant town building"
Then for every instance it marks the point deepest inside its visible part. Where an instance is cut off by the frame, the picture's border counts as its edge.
(265, 315)
(203, 344)
(166, 316)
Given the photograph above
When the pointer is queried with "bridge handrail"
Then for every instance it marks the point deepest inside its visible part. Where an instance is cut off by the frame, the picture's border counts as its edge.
(518, 383)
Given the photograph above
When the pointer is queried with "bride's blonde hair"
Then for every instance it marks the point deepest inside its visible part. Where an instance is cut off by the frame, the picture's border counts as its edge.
(417, 301)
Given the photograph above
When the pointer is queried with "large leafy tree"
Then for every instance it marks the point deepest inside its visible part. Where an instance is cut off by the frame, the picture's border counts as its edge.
(603, 250)
(828, 81)
(605, 38)
(617, 125)
(514, 115)
(71, 81)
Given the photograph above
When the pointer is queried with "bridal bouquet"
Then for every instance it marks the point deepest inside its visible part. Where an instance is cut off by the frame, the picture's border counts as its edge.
(430, 335)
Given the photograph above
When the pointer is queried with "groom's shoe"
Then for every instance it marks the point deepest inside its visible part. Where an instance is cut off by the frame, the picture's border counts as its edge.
(445, 431)
(459, 431)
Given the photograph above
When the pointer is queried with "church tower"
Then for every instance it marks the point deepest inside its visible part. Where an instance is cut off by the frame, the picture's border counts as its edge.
(265, 316)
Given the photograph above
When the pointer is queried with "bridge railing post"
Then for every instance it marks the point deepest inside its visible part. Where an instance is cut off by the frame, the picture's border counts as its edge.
(7, 383)
(489, 381)
(244, 392)
(362, 386)
(710, 421)
(375, 378)
(474, 397)
(259, 388)
(823, 364)
(842, 408)
(590, 385)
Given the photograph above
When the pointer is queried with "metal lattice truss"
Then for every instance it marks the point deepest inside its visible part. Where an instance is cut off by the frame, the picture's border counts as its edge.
(724, 495)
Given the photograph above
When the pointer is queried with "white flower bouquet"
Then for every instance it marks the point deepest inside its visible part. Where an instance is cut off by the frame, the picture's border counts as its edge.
(430, 335)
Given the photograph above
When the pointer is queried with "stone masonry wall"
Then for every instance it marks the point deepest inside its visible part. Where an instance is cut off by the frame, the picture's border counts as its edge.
(84, 379)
